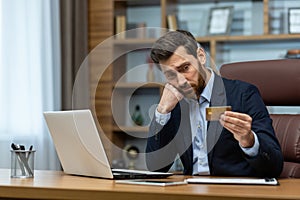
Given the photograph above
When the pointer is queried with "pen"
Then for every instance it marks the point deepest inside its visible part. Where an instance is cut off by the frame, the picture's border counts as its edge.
(15, 148)
(29, 152)
(23, 159)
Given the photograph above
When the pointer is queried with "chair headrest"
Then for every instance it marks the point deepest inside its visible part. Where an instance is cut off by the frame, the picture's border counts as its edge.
(277, 80)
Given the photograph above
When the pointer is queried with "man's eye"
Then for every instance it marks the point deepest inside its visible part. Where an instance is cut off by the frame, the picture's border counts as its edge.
(184, 68)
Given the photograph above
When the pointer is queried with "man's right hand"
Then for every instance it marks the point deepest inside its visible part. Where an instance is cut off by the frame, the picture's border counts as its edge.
(170, 97)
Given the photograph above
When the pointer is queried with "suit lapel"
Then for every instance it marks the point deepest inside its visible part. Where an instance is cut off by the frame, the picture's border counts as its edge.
(214, 127)
(185, 142)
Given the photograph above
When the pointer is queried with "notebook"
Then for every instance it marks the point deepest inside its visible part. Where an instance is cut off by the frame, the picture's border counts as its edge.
(230, 180)
(80, 149)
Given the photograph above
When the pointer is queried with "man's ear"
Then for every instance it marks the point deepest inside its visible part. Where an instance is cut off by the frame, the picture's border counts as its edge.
(201, 55)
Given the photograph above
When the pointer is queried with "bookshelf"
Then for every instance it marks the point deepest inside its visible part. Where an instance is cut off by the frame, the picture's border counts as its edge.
(258, 26)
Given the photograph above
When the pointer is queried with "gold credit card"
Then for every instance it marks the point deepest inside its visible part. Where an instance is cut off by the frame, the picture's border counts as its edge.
(214, 113)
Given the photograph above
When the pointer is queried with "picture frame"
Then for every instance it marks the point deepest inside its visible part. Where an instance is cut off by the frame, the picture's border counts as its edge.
(294, 20)
(220, 19)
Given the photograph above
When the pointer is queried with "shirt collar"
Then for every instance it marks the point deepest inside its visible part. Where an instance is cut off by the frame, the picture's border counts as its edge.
(206, 94)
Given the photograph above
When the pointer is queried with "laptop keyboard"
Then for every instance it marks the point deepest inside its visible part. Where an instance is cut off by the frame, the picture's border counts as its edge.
(131, 175)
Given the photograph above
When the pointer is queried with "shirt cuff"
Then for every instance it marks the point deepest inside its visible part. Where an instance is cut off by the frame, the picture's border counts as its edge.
(252, 151)
(162, 119)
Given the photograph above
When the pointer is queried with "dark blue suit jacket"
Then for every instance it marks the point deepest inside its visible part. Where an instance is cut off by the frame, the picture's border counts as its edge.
(225, 156)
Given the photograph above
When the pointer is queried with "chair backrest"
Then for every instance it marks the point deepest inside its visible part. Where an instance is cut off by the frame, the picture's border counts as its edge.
(279, 84)
(287, 129)
(277, 80)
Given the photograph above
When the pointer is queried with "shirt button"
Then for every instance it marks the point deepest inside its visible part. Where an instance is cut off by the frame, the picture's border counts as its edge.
(202, 156)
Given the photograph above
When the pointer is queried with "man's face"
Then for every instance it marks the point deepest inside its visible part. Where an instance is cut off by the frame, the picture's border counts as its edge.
(185, 72)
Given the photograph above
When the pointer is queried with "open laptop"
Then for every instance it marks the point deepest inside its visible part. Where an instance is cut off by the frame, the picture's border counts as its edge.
(80, 149)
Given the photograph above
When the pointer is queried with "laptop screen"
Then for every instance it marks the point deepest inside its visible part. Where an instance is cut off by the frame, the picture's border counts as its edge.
(80, 148)
(77, 143)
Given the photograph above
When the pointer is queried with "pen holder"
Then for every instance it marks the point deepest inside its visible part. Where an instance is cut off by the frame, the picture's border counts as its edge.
(22, 163)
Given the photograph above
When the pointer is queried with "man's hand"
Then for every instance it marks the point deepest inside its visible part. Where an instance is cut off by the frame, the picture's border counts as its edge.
(239, 125)
(170, 97)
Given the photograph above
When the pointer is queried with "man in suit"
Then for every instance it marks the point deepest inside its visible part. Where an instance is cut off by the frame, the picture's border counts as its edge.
(241, 143)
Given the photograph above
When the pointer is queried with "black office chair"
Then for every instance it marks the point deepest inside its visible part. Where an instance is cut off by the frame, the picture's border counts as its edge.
(279, 84)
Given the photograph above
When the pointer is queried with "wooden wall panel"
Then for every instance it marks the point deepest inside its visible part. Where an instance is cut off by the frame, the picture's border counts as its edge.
(100, 21)
(100, 18)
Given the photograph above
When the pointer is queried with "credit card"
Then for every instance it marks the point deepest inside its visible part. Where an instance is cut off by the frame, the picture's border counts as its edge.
(214, 113)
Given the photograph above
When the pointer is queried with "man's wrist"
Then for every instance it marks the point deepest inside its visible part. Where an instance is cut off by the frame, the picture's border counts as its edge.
(161, 118)
(248, 140)
(162, 109)
(252, 151)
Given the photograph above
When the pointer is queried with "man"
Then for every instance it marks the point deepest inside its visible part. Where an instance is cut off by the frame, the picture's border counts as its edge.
(241, 143)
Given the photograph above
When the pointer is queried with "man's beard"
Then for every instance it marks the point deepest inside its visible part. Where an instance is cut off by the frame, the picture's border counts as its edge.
(198, 89)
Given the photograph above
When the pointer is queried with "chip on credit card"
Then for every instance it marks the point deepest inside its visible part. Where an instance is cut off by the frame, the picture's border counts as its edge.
(214, 113)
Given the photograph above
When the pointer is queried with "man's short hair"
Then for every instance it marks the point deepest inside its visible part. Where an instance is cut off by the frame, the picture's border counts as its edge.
(166, 45)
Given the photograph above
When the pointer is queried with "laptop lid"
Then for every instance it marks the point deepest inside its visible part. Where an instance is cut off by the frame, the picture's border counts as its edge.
(80, 149)
(77, 143)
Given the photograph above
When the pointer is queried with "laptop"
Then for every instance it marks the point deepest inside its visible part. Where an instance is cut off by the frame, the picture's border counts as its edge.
(80, 149)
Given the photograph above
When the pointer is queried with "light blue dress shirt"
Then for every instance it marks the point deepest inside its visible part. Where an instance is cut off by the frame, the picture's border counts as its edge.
(199, 129)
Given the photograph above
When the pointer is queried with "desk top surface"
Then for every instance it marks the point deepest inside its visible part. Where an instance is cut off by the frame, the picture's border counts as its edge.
(57, 185)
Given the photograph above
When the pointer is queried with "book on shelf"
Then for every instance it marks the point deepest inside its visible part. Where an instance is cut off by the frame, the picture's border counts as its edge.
(136, 30)
(120, 26)
(172, 22)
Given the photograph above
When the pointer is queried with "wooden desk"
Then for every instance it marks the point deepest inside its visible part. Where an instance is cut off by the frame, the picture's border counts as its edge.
(57, 185)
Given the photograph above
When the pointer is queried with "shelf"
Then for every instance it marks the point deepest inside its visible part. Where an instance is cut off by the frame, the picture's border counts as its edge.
(248, 38)
(220, 38)
(132, 129)
(206, 1)
(213, 41)
(134, 41)
(140, 43)
(136, 3)
(134, 85)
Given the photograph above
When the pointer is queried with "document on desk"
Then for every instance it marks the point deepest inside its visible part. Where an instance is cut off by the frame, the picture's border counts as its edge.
(151, 182)
(238, 181)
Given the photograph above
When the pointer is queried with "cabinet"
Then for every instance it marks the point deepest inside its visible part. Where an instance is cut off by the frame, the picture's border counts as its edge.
(259, 31)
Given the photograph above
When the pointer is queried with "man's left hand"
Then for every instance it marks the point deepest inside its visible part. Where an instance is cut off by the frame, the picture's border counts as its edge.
(239, 124)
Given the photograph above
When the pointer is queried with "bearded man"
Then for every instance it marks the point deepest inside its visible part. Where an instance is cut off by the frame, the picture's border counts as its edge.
(241, 142)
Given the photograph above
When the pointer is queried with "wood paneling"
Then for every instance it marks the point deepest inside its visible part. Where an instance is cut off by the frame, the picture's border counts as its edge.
(100, 29)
